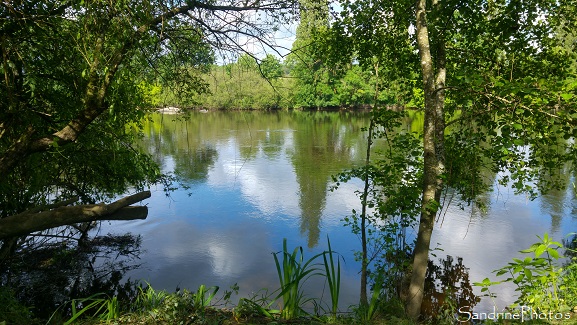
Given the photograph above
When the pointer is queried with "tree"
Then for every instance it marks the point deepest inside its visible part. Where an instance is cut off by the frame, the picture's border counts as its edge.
(271, 67)
(315, 79)
(72, 83)
(246, 84)
(495, 71)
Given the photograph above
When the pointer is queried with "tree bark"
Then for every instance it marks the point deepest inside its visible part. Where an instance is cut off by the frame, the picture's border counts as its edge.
(433, 146)
(364, 258)
(30, 221)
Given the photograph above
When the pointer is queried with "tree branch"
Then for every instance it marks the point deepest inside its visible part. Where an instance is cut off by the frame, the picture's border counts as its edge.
(100, 79)
(25, 223)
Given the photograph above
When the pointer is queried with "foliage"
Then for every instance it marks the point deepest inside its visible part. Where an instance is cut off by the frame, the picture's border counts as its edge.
(393, 197)
(271, 67)
(254, 307)
(76, 73)
(45, 94)
(292, 274)
(542, 283)
(12, 311)
(52, 274)
(515, 101)
(149, 299)
(314, 83)
(568, 287)
(106, 309)
(537, 277)
(203, 297)
(367, 312)
(161, 306)
(333, 276)
(246, 85)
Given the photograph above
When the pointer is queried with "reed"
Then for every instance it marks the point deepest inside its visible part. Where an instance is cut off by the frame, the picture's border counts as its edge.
(203, 297)
(333, 276)
(366, 312)
(293, 271)
(93, 306)
(149, 299)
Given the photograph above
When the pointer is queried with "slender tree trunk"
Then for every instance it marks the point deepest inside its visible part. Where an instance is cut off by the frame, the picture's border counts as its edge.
(365, 258)
(433, 145)
(365, 261)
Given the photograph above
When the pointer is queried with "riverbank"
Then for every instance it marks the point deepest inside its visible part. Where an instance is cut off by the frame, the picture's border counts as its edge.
(185, 307)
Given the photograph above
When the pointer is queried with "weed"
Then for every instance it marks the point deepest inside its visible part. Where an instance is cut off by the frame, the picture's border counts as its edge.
(543, 285)
(292, 273)
(105, 308)
(333, 276)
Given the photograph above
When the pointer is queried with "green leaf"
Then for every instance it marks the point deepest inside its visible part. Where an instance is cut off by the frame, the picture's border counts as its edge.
(519, 142)
(540, 250)
(553, 252)
(528, 274)
(501, 272)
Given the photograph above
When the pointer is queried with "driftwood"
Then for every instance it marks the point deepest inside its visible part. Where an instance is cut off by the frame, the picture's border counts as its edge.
(61, 214)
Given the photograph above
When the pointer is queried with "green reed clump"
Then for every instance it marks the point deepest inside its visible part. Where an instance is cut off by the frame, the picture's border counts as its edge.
(149, 299)
(96, 306)
(293, 271)
(333, 276)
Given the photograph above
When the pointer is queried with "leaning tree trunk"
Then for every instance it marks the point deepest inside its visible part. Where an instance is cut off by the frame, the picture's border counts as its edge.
(34, 220)
(433, 145)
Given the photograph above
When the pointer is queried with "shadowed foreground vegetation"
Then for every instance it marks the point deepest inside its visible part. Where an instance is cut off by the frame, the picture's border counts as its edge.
(544, 285)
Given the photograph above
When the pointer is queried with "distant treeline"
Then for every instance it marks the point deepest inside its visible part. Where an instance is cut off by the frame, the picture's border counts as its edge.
(268, 83)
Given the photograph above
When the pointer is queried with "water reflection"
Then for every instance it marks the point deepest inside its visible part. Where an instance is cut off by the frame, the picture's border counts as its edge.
(257, 177)
(51, 274)
(306, 147)
(447, 285)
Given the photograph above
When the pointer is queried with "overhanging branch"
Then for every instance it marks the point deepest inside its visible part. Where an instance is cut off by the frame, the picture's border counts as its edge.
(25, 223)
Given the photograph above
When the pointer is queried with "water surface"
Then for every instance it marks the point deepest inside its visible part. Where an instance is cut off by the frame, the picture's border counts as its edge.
(254, 178)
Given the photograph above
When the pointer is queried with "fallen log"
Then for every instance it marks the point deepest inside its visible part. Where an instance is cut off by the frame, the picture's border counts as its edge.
(31, 221)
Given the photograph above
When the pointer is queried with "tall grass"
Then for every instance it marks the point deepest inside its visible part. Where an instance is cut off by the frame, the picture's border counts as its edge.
(203, 297)
(366, 312)
(333, 276)
(149, 299)
(106, 309)
(293, 271)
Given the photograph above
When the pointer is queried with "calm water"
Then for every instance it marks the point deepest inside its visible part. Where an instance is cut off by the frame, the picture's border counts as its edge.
(255, 178)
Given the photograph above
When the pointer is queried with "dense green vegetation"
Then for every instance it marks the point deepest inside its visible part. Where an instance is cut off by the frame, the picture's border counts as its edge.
(495, 80)
(503, 67)
(268, 84)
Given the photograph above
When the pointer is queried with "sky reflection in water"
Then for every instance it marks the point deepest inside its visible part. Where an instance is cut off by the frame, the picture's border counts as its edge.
(266, 177)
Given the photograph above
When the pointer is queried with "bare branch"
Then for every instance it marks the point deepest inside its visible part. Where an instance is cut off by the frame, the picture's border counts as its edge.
(26, 223)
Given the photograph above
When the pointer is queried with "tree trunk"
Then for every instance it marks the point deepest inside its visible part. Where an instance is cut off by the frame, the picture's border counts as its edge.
(364, 258)
(433, 145)
(30, 221)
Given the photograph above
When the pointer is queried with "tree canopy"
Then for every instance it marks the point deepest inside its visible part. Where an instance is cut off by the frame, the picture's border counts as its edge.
(77, 81)
(498, 86)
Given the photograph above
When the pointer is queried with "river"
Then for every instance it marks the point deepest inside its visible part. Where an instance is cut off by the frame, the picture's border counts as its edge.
(254, 178)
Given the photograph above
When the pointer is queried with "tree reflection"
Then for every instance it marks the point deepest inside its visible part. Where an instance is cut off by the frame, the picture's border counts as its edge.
(318, 144)
(447, 286)
(179, 139)
(54, 268)
(325, 144)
